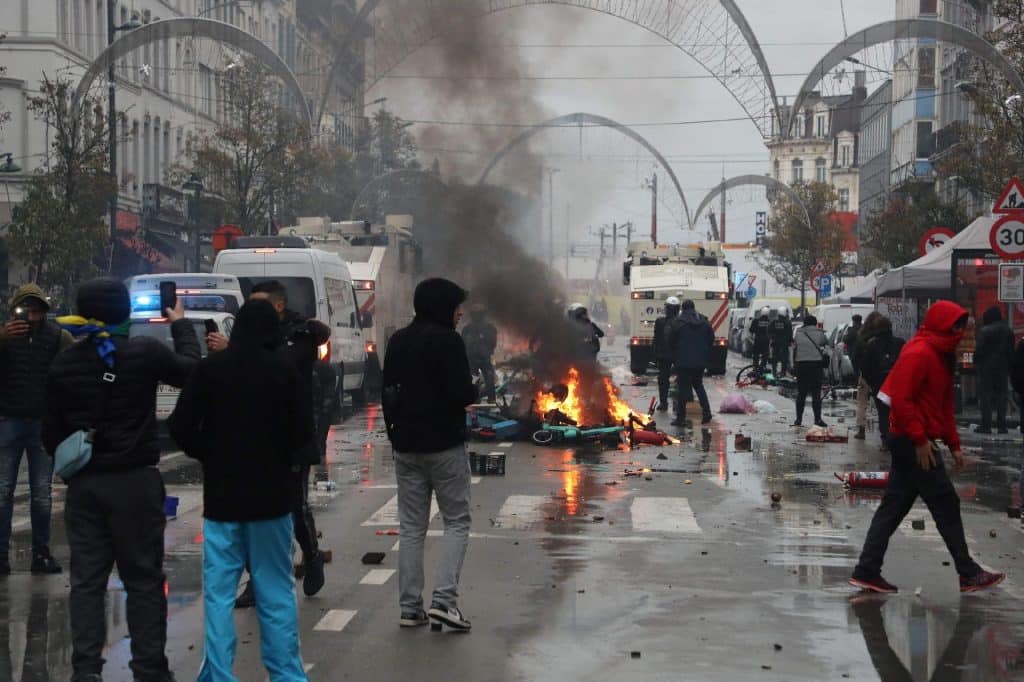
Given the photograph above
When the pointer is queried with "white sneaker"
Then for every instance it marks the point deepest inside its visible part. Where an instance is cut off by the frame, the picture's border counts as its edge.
(450, 616)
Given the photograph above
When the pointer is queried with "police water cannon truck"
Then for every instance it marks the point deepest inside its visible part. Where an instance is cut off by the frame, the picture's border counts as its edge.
(696, 272)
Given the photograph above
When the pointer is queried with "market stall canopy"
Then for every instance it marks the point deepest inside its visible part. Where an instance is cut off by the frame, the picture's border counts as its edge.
(931, 273)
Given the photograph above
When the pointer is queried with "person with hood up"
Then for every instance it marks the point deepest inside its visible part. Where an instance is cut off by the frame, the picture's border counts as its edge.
(481, 338)
(590, 333)
(878, 352)
(919, 392)
(114, 507)
(760, 328)
(993, 356)
(663, 350)
(781, 332)
(427, 387)
(692, 339)
(809, 356)
(856, 336)
(29, 343)
(241, 416)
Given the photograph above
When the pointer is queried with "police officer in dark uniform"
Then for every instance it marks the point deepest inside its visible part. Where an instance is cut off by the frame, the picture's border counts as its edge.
(481, 338)
(663, 350)
(781, 332)
(760, 327)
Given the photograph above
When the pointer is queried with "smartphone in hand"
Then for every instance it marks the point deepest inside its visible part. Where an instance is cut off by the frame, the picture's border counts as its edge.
(211, 326)
(168, 297)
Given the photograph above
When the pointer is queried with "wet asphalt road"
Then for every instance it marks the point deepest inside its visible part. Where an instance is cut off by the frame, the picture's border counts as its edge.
(576, 572)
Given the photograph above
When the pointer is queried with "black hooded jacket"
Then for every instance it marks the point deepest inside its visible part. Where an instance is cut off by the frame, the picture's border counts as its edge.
(993, 353)
(241, 415)
(427, 382)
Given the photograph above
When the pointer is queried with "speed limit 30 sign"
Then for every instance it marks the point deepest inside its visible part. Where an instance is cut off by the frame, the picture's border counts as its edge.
(1007, 237)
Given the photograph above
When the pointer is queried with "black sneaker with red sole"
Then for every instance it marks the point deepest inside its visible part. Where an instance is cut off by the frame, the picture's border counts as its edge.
(878, 584)
(982, 581)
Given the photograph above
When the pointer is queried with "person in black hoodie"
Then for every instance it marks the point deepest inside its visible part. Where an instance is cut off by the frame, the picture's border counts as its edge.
(663, 350)
(877, 354)
(427, 387)
(692, 339)
(241, 416)
(114, 508)
(993, 356)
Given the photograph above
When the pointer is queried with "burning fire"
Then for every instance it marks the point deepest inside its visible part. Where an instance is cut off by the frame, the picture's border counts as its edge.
(600, 409)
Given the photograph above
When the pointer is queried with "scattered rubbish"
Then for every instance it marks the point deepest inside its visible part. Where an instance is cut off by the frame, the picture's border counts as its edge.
(373, 557)
(871, 480)
(744, 443)
(634, 654)
(704, 553)
(611, 482)
(598, 519)
(648, 478)
(778, 647)
(776, 497)
(391, 531)
(736, 403)
(917, 524)
(735, 473)
(325, 486)
(766, 667)
(822, 434)
(765, 407)
(992, 533)
(688, 482)
(945, 563)
(661, 455)
(581, 591)
(918, 591)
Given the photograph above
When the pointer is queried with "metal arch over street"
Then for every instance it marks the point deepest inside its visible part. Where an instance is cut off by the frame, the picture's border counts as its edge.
(194, 27)
(581, 119)
(715, 33)
(898, 30)
(765, 181)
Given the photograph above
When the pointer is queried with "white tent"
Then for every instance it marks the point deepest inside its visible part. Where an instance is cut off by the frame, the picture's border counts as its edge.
(862, 290)
(931, 272)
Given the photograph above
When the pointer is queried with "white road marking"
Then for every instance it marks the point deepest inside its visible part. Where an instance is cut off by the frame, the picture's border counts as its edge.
(388, 514)
(474, 480)
(521, 511)
(663, 515)
(612, 539)
(505, 445)
(335, 620)
(377, 576)
(497, 453)
(394, 486)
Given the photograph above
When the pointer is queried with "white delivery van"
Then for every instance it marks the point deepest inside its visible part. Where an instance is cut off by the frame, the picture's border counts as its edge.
(199, 292)
(159, 328)
(319, 287)
(835, 315)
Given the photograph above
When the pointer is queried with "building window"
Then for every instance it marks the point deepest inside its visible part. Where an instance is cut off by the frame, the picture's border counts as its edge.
(819, 170)
(925, 140)
(926, 67)
(798, 170)
(776, 170)
(820, 129)
(846, 155)
(844, 200)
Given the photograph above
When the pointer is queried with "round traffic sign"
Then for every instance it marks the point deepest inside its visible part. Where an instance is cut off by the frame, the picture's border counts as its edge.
(819, 268)
(934, 239)
(1007, 237)
(816, 283)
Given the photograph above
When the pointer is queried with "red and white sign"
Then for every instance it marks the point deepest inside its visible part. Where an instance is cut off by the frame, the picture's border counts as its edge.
(1007, 237)
(934, 239)
(818, 269)
(816, 283)
(1011, 199)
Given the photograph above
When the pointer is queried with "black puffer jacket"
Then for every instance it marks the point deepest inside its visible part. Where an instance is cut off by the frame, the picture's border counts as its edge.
(427, 382)
(302, 339)
(126, 436)
(993, 352)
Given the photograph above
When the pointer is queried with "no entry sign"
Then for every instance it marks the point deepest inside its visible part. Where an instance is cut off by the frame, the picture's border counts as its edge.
(934, 239)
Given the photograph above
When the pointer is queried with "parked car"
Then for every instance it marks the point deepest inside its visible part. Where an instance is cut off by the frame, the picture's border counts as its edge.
(841, 364)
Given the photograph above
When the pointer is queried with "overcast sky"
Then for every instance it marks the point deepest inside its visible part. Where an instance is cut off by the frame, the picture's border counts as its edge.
(602, 174)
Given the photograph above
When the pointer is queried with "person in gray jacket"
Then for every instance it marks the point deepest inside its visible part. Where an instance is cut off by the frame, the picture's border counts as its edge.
(809, 356)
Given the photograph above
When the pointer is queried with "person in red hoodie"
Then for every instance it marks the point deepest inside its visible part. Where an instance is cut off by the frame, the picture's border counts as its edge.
(919, 391)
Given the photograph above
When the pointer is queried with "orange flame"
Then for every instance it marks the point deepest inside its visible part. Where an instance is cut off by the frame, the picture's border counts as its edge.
(609, 407)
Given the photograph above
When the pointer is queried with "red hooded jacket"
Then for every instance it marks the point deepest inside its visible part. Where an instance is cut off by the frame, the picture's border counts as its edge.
(919, 388)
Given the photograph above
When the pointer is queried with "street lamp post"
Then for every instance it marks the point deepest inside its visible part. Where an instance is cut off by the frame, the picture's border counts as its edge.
(112, 30)
(551, 215)
(194, 184)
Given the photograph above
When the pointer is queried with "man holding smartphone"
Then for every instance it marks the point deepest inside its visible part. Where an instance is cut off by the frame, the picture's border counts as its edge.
(28, 345)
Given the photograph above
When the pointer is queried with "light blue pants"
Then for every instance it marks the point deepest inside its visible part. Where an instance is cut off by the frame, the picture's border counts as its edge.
(265, 546)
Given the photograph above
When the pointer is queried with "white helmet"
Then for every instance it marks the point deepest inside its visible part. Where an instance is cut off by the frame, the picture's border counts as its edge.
(672, 300)
(765, 310)
(783, 311)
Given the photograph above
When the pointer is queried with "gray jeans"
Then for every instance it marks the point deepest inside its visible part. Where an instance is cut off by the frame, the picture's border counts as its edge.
(420, 476)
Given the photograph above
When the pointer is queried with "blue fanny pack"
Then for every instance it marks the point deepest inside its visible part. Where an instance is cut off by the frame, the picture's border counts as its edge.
(75, 452)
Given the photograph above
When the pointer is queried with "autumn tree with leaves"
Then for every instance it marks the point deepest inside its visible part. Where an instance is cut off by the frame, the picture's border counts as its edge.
(795, 246)
(893, 235)
(60, 228)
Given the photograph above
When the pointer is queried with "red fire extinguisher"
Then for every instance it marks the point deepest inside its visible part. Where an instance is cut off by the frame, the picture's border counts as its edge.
(871, 480)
